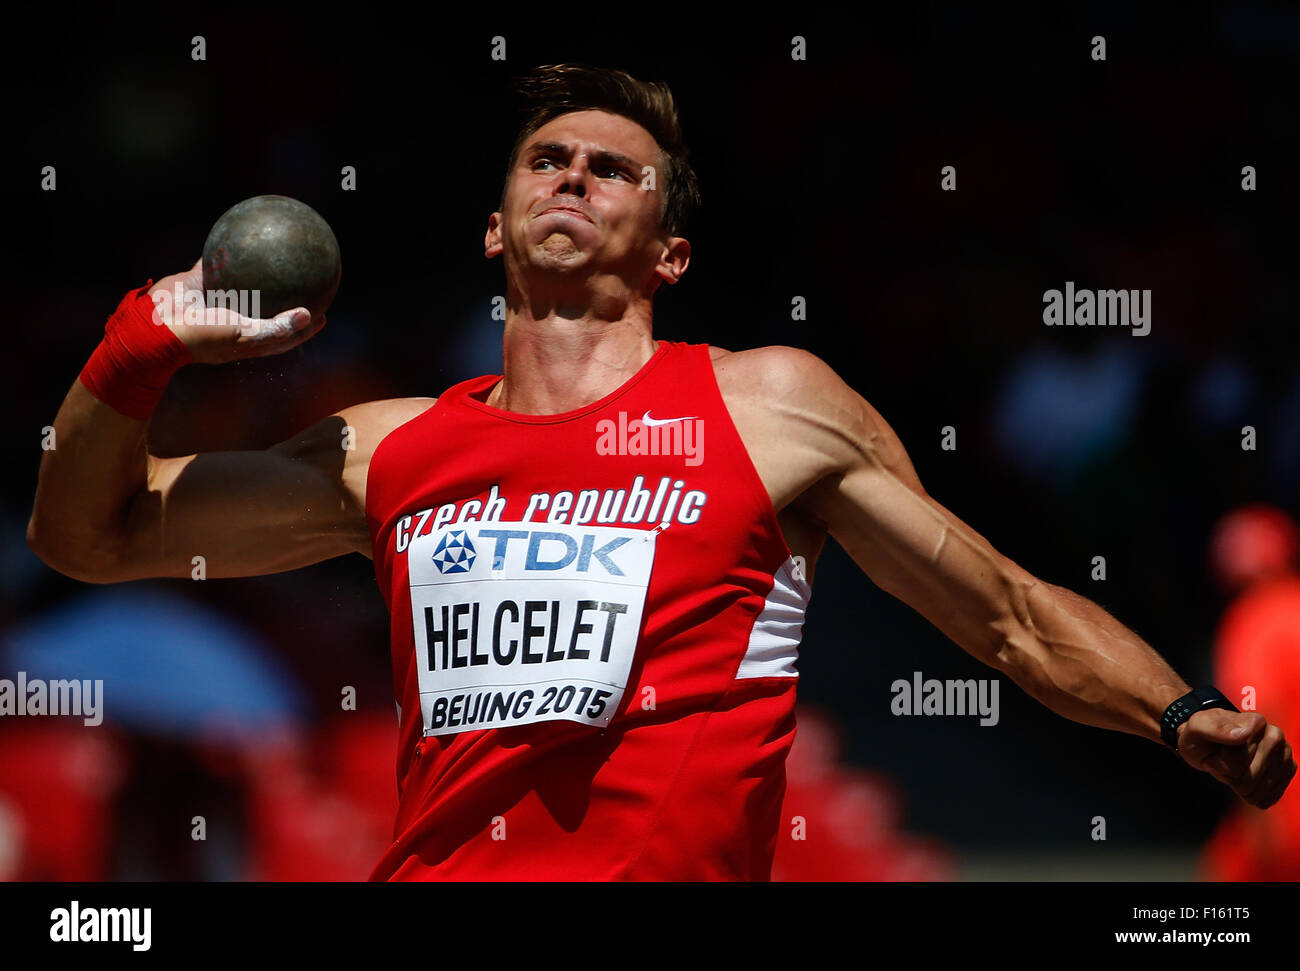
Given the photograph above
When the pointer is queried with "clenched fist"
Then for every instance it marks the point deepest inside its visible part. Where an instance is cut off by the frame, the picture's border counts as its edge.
(1240, 749)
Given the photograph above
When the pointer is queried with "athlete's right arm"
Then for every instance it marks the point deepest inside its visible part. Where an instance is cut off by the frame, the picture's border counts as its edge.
(107, 511)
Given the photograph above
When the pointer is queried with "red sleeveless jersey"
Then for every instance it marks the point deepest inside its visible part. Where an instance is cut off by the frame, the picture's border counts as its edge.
(595, 622)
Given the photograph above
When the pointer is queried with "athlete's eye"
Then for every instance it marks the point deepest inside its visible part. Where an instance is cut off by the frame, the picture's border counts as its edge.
(544, 160)
(614, 171)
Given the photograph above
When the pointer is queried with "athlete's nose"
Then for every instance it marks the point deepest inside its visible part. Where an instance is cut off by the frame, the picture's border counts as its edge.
(573, 182)
(575, 178)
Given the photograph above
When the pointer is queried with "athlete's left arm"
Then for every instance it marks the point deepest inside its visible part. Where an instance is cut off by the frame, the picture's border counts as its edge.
(1061, 648)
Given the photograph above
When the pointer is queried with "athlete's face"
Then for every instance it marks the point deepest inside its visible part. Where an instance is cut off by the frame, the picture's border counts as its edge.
(574, 202)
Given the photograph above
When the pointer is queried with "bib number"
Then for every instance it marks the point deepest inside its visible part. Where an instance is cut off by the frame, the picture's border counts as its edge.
(517, 623)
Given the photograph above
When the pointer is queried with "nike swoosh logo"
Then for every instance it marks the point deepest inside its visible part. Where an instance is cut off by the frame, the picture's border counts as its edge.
(647, 420)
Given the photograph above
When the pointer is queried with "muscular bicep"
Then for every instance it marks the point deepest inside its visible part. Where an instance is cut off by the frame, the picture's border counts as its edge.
(248, 513)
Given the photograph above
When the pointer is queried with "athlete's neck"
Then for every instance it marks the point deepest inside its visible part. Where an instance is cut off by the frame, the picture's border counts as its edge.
(560, 363)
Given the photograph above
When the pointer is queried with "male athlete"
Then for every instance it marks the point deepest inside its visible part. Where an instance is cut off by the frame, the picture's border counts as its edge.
(597, 564)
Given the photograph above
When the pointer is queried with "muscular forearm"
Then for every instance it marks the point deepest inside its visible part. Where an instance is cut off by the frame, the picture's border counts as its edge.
(86, 483)
(1083, 664)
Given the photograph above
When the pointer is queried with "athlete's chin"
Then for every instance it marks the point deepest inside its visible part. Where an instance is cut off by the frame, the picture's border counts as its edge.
(560, 252)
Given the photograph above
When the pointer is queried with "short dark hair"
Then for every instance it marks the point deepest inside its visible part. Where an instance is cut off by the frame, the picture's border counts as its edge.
(557, 89)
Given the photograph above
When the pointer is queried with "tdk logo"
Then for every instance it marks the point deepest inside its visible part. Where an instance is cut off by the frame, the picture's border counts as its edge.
(546, 550)
(454, 553)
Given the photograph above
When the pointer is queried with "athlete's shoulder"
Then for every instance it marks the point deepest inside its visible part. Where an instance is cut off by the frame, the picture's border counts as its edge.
(389, 412)
(362, 426)
(365, 427)
(794, 400)
(776, 369)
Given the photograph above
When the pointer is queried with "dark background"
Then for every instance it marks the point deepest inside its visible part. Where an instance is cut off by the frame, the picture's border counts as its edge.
(821, 179)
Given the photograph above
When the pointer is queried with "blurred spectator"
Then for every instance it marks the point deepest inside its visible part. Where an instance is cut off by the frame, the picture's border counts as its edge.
(329, 818)
(840, 823)
(1257, 658)
(58, 782)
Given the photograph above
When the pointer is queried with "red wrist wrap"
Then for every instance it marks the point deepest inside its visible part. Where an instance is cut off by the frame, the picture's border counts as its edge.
(139, 354)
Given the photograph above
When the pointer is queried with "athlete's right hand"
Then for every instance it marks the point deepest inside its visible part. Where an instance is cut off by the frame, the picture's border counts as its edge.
(216, 335)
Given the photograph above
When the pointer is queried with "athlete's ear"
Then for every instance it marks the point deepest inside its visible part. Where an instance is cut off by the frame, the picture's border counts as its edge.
(492, 245)
(674, 259)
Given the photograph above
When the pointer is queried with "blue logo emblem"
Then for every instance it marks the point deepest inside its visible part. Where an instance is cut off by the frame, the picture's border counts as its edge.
(455, 553)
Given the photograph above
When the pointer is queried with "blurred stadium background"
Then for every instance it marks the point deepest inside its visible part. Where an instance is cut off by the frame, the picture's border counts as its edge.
(820, 179)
